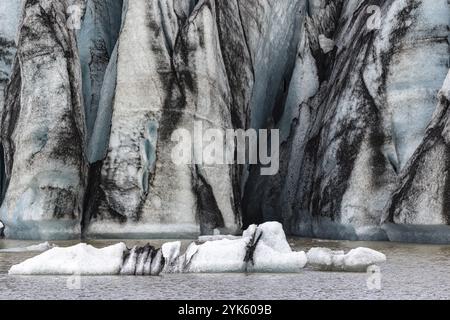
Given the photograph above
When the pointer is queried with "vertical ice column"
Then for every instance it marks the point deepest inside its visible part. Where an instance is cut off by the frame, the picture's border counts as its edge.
(170, 74)
(146, 104)
(44, 126)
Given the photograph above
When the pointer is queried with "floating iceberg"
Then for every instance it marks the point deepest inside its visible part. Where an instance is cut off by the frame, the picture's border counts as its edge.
(34, 248)
(357, 260)
(261, 248)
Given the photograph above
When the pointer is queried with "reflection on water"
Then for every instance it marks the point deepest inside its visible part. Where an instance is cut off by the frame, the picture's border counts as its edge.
(412, 272)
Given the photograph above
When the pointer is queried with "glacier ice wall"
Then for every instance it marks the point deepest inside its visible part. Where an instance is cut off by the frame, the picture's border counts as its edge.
(356, 88)
(364, 109)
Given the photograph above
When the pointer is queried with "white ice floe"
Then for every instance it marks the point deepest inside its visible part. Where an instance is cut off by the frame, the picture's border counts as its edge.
(262, 248)
(81, 259)
(357, 260)
(41, 247)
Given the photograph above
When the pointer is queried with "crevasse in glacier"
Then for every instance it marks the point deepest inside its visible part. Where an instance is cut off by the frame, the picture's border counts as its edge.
(9, 21)
(97, 39)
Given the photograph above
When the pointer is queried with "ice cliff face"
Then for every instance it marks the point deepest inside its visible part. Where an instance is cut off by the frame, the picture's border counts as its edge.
(356, 88)
(365, 105)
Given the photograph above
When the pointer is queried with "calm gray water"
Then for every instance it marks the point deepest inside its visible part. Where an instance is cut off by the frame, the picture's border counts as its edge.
(412, 272)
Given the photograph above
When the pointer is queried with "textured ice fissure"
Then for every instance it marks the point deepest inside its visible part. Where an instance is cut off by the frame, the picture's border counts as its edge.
(239, 66)
(273, 46)
(304, 86)
(91, 197)
(237, 59)
(271, 29)
(99, 138)
(104, 84)
(247, 44)
(323, 21)
(96, 42)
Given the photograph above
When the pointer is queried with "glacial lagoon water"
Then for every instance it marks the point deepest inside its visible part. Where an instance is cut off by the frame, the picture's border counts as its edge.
(411, 272)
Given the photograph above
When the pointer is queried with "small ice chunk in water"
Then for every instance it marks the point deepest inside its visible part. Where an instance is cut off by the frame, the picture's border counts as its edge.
(357, 260)
(361, 258)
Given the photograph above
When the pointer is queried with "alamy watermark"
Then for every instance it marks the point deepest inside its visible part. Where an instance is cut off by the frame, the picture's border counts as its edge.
(212, 146)
(374, 21)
